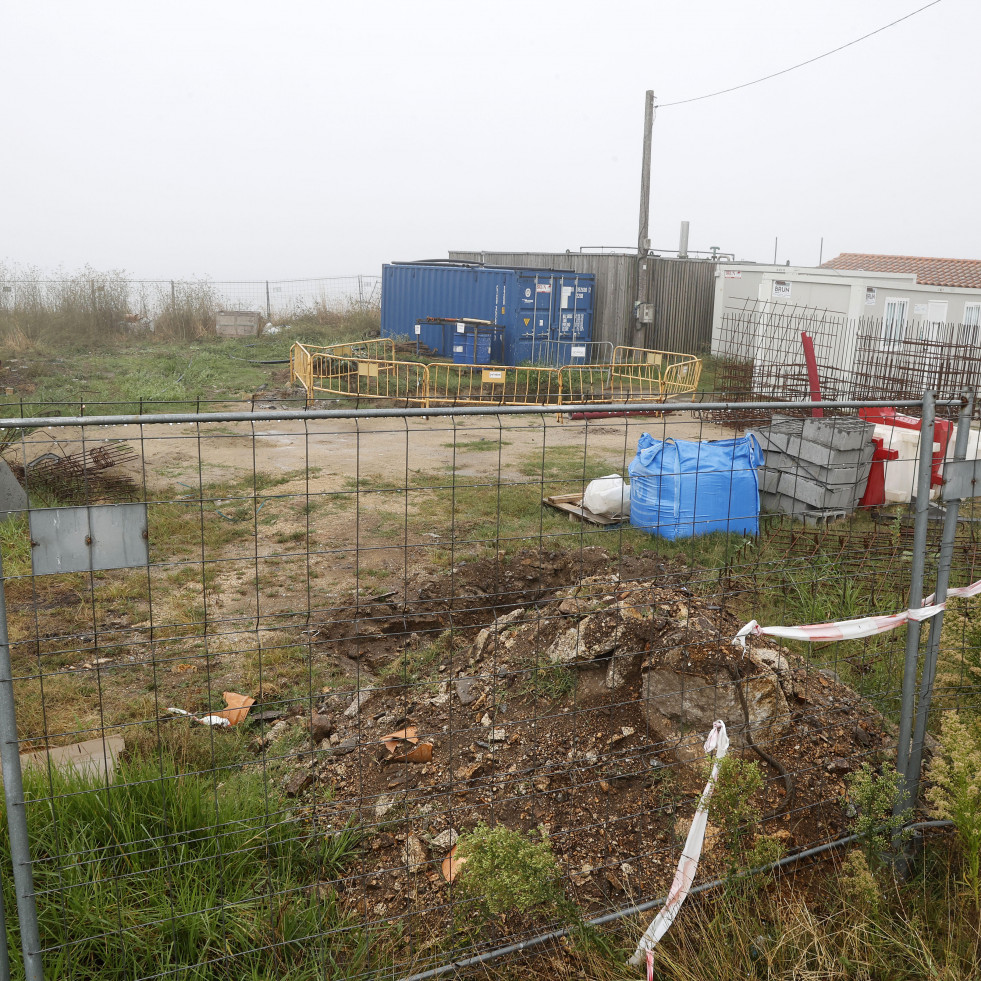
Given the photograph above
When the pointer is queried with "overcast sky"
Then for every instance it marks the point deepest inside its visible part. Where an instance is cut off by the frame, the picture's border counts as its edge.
(243, 140)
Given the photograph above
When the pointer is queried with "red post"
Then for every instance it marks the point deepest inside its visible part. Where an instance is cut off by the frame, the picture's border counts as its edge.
(812, 372)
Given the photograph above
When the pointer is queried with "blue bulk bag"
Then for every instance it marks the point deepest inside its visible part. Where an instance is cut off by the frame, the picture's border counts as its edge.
(680, 488)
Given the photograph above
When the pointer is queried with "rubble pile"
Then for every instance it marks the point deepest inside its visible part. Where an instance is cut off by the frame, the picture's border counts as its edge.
(582, 712)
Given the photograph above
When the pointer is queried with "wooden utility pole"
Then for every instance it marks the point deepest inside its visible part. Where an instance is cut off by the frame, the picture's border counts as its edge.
(643, 234)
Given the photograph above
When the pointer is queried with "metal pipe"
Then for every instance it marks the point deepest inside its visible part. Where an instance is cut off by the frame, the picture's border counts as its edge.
(643, 907)
(921, 522)
(683, 241)
(13, 789)
(936, 624)
(293, 415)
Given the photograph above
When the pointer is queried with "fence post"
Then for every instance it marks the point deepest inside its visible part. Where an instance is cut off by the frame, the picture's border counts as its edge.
(268, 308)
(13, 789)
(936, 624)
(924, 471)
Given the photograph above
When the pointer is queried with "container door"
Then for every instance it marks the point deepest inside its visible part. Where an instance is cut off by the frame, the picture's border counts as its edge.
(535, 313)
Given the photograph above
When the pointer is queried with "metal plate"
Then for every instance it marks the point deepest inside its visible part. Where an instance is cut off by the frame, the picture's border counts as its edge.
(83, 539)
(962, 479)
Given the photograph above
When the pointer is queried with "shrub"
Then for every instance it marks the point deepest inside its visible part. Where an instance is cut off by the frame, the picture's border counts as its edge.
(956, 791)
(731, 807)
(508, 872)
(874, 796)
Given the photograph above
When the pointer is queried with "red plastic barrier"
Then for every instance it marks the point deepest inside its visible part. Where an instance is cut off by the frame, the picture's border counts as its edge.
(875, 489)
(941, 434)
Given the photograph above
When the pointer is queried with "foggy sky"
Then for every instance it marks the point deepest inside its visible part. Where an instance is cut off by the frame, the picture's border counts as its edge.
(243, 140)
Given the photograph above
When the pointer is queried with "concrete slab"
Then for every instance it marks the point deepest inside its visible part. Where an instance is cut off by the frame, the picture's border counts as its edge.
(91, 758)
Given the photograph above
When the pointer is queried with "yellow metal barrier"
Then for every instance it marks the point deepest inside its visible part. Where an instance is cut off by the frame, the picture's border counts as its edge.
(301, 369)
(401, 381)
(466, 384)
(348, 371)
(639, 373)
(373, 349)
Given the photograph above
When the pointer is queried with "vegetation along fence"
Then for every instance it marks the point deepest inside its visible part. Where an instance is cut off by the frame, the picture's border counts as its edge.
(358, 693)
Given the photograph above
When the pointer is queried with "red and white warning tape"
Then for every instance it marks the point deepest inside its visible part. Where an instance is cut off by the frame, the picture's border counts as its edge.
(859, 627)
(718, 741)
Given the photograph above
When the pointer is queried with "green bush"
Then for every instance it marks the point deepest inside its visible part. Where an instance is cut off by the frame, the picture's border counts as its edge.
(956, 792)
(874, 795)
(507, 872)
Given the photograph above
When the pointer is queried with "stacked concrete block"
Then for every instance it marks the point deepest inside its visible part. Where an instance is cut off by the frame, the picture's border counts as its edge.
(815, 469)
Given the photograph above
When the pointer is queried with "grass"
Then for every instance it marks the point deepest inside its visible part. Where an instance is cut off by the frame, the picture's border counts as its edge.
(843, 926)
(169, 872)
(72, 353)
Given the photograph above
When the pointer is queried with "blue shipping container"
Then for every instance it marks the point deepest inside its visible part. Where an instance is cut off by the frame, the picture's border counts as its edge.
(532, 306)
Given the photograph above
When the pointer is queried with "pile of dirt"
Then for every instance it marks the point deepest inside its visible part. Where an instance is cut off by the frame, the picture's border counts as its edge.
(580, 710)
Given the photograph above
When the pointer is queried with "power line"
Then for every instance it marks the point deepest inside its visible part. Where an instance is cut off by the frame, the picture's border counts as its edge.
(810, 61)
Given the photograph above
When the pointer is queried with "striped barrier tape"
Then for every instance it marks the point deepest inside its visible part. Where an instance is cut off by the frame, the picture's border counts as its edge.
(860, 626)
(718, 741)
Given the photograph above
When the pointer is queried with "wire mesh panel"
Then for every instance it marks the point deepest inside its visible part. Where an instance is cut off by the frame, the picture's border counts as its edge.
(386, 695)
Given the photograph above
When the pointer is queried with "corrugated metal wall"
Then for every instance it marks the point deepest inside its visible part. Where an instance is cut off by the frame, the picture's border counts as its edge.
(683, 294)
(682, 291)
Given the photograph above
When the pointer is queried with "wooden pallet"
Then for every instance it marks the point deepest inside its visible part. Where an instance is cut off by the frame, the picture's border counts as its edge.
(572, 505)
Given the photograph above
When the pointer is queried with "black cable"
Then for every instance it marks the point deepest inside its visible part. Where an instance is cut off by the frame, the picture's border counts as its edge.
(766, 78)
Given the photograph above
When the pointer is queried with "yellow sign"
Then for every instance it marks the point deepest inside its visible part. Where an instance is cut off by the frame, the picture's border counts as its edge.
(368, 369)
(492, 377)
(527, 321)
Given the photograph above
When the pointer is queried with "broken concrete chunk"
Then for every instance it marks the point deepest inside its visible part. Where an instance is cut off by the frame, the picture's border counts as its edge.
(565, 648)
(467, 690)
(360, 699)
(296, 782)
(415, 854)
(445, 840)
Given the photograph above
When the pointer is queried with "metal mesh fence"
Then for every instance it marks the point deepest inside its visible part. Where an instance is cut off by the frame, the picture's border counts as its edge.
(382, 696)
(103, 301)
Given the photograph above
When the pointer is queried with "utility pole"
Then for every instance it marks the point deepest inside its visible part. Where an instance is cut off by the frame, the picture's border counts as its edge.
(643, 233)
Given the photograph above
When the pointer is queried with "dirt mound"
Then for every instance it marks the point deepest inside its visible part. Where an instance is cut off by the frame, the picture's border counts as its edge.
(466, 598)
(579, 711)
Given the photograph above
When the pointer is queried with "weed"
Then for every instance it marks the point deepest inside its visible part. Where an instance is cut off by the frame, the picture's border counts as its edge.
(418, 665)
(858, 885)
(731, 805)
(552, 681)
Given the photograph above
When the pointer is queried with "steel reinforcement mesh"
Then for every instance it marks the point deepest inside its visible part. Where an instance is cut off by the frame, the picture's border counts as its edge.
(428, 659)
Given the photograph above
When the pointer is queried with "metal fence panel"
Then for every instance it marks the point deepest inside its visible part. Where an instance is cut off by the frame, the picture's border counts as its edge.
(364, 638)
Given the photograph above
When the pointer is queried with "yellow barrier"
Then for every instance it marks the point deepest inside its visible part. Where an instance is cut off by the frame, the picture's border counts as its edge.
(373, 349)
(642, 373)
(346, 370)
(301, 369)
(466, 384)
(401, 381)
